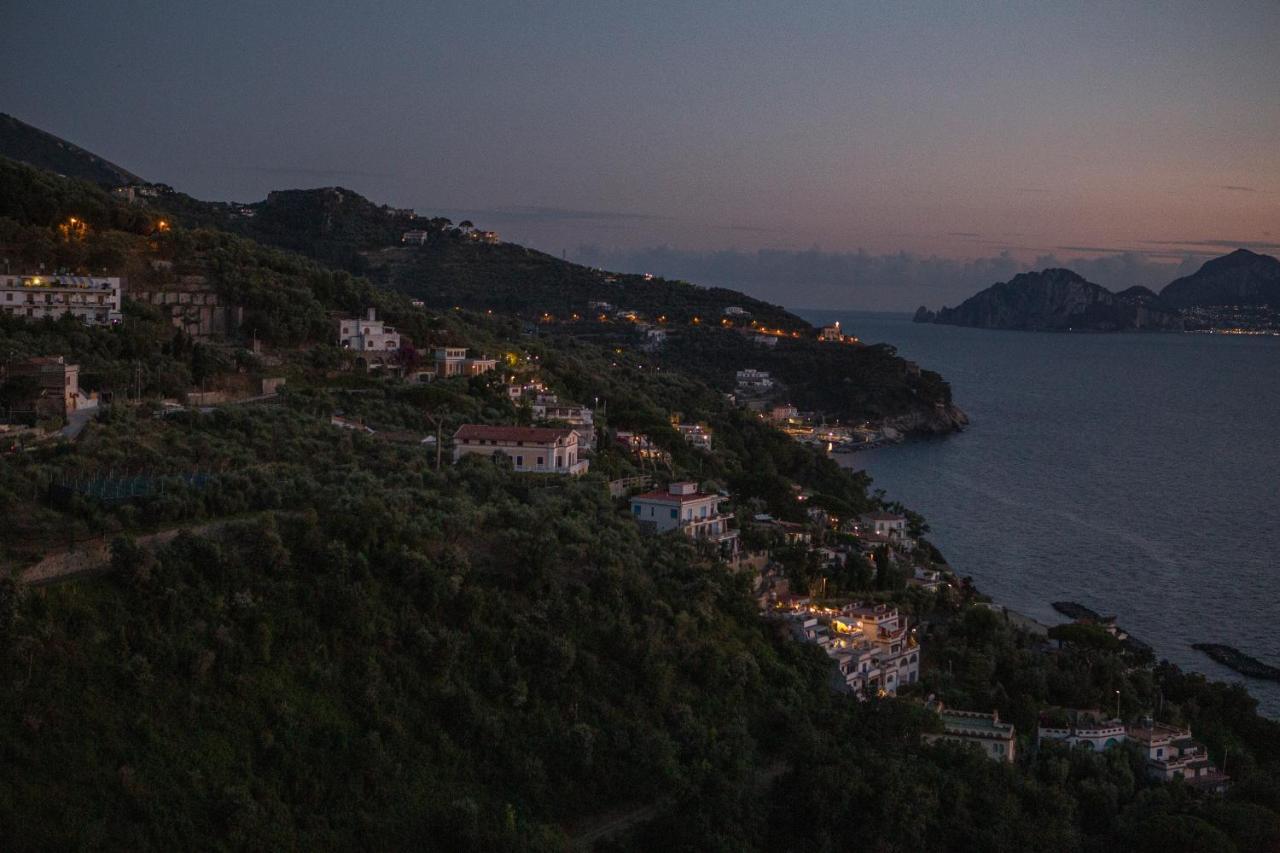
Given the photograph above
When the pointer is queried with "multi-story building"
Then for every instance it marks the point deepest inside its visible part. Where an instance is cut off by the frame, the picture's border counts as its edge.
(897, 653)
(685, 507)
(478, 366)
(754, 380)
(520, 391)
(94, 300)
(884, 523)
(55, 386)
(696, 434)
(831, 333)
(450, 361)
(1075, 727)
(1173, 754)
(369, 335)
(547, 407)
(538, 450)
(641, 447)
(453, 361)
(997, 740)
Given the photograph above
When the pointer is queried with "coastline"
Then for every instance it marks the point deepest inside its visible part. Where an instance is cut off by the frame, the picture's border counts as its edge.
(1076, 613)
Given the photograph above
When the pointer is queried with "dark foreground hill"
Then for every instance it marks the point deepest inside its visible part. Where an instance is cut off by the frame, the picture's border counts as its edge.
(1057, 300)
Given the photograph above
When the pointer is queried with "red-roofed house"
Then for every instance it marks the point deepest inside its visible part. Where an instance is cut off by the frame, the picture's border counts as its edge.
(683, 506)
(541, 450)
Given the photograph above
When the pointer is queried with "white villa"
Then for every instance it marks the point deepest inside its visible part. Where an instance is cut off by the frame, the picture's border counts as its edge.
(997, 740)
(884, 524)
(368, 335)
(754, 380)
(873, 650)
(1173, 754)
(94, 300)
(896, 651)
(538, 450)
(453, 361)
(683, 506)
(1083, 727)
(696, 434)
(547, 407)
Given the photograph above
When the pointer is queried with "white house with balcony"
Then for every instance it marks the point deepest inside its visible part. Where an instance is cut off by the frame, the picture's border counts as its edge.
(897, 652)
(534, 450)
(1090, 728)
(93, 300)
(698, 435)
(1173, 754)
(369, 335)
(454, 361)
(547, 407)
(884, 523)
(685, 507)
(993, 737)
(754, 380)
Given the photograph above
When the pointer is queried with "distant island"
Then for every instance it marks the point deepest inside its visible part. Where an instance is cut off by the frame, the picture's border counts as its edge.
(1237, 292)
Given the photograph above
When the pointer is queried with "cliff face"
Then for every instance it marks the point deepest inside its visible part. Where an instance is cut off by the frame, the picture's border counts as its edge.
(941, 419)
(1240, 278)
(1057, 299)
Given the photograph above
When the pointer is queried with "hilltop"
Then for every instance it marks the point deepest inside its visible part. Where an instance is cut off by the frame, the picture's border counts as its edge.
(1240, 278)
(26, 144)
(1057, 300)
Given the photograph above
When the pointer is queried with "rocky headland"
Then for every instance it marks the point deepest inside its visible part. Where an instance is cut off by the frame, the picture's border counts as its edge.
(1058, 300)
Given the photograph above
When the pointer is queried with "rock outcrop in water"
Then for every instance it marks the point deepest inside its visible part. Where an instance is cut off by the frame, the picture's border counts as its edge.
(1239, 661)
(1058, 300)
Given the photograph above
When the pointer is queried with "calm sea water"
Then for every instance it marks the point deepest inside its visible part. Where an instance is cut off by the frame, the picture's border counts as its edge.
(1136, 474)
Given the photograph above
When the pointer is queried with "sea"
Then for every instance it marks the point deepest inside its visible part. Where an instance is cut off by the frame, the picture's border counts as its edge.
(1137, 474)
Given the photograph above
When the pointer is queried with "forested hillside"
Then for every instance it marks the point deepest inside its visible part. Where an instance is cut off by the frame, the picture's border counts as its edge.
(353, 646)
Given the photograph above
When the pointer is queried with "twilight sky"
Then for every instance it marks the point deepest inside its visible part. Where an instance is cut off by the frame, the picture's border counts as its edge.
(826, 154)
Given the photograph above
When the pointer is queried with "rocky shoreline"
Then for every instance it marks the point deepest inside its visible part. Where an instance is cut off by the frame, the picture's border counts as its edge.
(942, 420)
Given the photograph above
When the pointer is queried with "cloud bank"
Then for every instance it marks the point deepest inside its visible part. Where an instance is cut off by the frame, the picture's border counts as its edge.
(900, 281)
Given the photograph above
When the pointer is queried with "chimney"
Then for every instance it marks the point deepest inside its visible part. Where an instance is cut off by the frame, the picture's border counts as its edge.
(371, 315)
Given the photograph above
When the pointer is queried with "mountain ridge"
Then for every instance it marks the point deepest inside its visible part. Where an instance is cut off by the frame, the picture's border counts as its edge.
(1057, 299)
(43, 150)
(1241, 277)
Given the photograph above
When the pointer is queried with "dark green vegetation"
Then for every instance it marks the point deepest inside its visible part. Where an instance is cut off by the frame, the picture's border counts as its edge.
(851, 383)
(378, 653)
